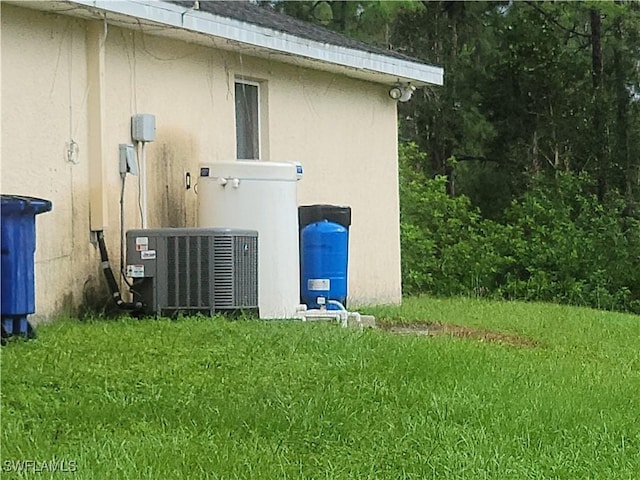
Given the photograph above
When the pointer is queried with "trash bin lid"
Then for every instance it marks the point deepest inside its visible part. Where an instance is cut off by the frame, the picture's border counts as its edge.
(18, 204)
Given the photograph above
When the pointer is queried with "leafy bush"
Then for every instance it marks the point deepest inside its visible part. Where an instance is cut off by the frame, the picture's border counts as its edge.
(571, 248)
(444, 247)
(557, 243)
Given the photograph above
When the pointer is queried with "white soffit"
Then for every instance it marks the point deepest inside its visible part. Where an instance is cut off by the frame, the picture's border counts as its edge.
(227, 33)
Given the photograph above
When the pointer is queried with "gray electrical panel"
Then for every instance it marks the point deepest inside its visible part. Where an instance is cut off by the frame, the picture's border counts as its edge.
(191, 270)
(128, 161)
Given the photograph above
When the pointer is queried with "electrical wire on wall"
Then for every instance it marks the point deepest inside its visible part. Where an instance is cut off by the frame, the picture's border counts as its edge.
(123, 176)
(112, 283)
(143, 130)
(141, 180)
(128, 165)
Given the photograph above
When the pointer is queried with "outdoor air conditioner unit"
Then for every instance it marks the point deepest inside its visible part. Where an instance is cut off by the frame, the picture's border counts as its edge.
(191, 270)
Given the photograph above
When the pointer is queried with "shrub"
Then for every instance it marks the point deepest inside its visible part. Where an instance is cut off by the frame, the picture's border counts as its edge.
(557, 243)
(568, 247)
(444, 246)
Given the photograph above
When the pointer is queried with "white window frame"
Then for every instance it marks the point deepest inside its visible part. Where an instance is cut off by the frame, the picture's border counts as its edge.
(239, 80)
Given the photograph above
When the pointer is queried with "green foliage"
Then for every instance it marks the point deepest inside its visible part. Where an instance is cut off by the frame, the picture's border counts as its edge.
(369, 20)
(444, 247)
(519, 93)
(569, 247)
(447, 121)
(558, 242)
(488, 186)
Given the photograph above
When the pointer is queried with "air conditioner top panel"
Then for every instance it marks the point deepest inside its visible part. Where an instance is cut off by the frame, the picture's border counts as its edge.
(192, 232)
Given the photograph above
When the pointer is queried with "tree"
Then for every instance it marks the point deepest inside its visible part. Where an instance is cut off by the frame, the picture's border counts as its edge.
(369, 21)
(530, 88)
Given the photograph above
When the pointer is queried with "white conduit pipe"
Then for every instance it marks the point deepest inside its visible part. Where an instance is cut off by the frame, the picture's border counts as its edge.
(341, 315)
(143, 185)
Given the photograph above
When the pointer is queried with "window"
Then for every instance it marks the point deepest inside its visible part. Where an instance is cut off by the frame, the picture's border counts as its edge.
(247, 120)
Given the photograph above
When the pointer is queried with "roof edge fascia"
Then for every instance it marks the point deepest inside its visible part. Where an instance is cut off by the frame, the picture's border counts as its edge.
(176, 16)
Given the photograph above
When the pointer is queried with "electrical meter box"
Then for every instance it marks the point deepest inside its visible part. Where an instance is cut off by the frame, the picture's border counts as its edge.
(143, 127)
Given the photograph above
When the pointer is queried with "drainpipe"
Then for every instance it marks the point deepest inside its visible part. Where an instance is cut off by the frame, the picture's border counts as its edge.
(111, 279)
(96, 37)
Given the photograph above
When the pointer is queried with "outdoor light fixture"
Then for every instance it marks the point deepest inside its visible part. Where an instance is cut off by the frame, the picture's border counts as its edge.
(395, 93)
(402, 92)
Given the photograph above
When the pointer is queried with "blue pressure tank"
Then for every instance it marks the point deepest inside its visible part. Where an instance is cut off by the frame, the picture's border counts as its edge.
(18, 243)
(324, 254)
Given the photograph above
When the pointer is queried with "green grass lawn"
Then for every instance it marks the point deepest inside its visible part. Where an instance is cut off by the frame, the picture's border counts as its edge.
(213, 398)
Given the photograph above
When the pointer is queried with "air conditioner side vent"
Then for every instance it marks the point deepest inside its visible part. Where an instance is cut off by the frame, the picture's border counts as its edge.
(246, 275)
(223, 272)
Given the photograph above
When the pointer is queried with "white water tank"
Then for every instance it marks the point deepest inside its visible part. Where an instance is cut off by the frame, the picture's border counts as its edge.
(259, 196)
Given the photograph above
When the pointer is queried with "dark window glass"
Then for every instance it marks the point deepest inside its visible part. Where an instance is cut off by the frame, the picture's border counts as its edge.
(247, 121)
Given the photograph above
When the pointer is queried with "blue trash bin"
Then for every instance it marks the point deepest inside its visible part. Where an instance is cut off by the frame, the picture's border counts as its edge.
(18, 245)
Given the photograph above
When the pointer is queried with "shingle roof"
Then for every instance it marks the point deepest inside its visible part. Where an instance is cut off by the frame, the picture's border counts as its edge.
(266, 17)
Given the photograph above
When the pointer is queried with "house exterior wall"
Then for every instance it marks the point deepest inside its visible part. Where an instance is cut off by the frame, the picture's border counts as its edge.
(342, 130)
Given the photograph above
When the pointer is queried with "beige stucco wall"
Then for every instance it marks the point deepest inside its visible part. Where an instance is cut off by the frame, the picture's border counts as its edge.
(342, 130)
(44, 88)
